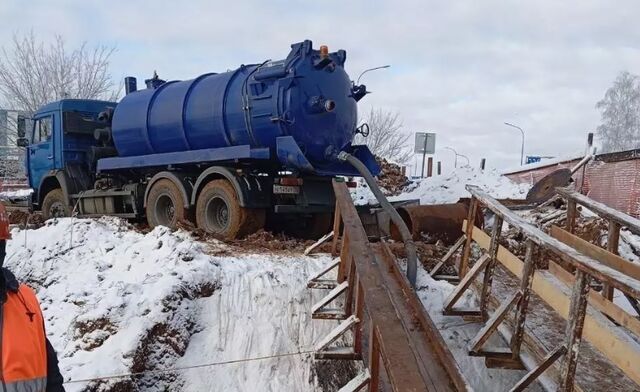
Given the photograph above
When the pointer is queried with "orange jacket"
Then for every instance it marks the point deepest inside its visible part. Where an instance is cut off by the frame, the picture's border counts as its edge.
(23, 347)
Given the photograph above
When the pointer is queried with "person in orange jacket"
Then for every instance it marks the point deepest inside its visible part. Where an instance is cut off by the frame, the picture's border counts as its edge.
(28, 362)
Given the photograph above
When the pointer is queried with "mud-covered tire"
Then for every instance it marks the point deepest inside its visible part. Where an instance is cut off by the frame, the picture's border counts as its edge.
(218, 212)
(165, 204)
(55, 205)
(318, 225)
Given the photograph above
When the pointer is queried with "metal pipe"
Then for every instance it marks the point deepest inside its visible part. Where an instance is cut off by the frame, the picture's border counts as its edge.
(409, 246)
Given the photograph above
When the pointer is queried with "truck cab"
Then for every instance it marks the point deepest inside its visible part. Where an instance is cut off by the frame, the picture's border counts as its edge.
(59, 151)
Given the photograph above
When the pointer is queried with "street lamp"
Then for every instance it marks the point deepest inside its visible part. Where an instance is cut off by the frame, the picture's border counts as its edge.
(369, 70)
(455, 161)
(522, 146)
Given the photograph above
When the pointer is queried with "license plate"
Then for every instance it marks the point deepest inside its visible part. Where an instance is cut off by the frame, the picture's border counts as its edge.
(285, 189)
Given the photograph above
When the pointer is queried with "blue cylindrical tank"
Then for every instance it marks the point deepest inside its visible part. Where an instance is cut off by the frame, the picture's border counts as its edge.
(308, 96)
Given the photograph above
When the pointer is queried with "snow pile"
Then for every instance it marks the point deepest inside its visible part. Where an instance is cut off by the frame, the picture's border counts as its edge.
(16, 194)
(450, 188)
(118, 301)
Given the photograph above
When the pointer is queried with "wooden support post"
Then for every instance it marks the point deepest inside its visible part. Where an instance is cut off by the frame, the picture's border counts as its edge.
(492, 324)
(466, 252)
(374, 359)
(464, 285)
(357, 340)
(572, 211)
(577, 313)
(447, 256)
(529, 269)
(351, 291)
(488, 272)
(538, 370)
(336, 230)
(429, 166)
(344, 258)
(613, 241)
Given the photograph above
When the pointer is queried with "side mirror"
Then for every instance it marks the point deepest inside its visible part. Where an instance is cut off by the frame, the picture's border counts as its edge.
(22, 142)
(22, 126)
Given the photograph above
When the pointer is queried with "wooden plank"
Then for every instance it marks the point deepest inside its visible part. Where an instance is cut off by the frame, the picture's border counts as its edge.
(433, 355)
(587, 264)
(492, 324)
(357, 340)
(329, 267)
(487, 279)
(621, 351)
(572, 211)
(613, 243)
(464, 284)
(538, 370)
(607, 307)
(357, 383)
(601, 255)
(336, 333)
(466, 251)
(337, 219)
(575, 326)
(316, 244)
(448, 255)
(400, 362)
(525, 289)
(345, 254)
(333, 294)
(338, 353)
(601, 209)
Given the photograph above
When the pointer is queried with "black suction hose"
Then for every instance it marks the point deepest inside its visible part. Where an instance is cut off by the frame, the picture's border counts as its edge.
(409, 246)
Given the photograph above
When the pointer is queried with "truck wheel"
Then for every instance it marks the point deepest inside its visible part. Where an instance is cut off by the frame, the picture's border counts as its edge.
(218, 212)
(165, 205)
(55, 205)
(318, 225)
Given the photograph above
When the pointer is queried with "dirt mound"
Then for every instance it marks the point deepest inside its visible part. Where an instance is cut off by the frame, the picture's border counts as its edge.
(23, 218)
(391, 177)
(266, 240)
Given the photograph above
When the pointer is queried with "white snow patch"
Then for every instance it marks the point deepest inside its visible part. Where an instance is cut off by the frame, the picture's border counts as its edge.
(458, 334)
(15, 194)
(450, 188)
(104, 289)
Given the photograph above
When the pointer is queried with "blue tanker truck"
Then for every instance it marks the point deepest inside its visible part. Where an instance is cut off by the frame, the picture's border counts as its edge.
(229, 151)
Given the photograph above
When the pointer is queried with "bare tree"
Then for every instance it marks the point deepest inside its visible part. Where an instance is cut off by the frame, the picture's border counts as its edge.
(620, 114)
(386, 138)
(33, 74)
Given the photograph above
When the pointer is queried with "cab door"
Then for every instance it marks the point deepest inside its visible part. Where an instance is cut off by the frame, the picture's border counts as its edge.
(41, 156)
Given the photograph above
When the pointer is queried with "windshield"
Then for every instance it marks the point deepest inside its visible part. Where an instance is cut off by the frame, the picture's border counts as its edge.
(81, 122)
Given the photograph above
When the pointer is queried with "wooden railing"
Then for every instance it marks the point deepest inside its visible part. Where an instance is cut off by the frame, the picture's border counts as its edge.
(611, 343)
(381, 310)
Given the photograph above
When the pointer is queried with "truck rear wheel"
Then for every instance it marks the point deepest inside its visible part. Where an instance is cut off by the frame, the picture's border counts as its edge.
(55, 205)
(165, 204)
(218, 212)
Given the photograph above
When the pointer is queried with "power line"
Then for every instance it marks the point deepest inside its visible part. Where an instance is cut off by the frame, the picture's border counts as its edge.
(178, 369)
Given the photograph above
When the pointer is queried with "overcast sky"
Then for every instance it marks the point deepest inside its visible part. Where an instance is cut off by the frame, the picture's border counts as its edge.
(460, 69)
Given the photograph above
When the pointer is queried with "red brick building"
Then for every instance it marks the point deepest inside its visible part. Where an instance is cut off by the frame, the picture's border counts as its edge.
(613, 179)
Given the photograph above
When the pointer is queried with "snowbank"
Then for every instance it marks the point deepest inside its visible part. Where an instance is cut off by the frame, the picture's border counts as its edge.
(119, 301)
(450, 188)
(18, 193)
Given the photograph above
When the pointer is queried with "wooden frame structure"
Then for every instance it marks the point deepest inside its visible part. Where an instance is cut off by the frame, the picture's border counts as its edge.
(391, 329)
(616, 220)
(574, 310)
